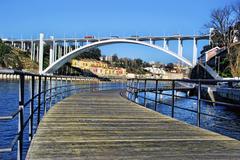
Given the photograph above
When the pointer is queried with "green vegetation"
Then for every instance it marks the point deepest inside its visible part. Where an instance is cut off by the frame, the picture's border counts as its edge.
(15, 59)
(132, 66)
(93, 53)
(226, 72)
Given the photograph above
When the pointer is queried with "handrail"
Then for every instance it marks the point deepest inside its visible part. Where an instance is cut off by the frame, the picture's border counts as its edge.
(185, 80)
(137, 85)
(37, 100)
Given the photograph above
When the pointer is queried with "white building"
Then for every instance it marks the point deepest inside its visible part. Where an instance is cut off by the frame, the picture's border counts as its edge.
(154, 70)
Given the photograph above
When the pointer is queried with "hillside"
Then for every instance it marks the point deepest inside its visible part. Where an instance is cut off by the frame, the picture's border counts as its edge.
(16, 59)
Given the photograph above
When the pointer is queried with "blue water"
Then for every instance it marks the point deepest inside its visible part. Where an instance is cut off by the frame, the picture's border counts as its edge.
(9, 104)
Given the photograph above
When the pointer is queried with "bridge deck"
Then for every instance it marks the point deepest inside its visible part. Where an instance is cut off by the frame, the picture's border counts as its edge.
(103, 125)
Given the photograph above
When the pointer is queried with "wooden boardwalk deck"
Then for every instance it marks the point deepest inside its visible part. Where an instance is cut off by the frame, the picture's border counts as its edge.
(103, 125)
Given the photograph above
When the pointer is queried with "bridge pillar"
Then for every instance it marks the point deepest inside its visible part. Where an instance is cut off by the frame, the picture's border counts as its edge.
(165, 44)
(51, 52)
(21, 45)
(32, 50)
(150, 41)
(69, 48)
(34, 53)
(55, 51)
(180, 47)
(60, 50)
(41, 47)
(76, 44)
(194, 51)
(64, 47)
(24, 46)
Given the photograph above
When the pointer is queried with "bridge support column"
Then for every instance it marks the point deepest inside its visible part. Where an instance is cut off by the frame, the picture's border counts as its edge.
(150, 41)
(24, 46)
(165, 44)
(41, 45)
(180, 47)
(194, 51)
(69, 48)
(64, 47)
(59, 50)
(52, 53)
(32, 50)
(76, 44)
(21, 45)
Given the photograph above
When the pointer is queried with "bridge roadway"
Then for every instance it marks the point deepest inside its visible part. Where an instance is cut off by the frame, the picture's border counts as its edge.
(104, 125)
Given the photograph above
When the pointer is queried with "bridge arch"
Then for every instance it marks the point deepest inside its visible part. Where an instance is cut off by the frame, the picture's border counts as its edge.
(64, 59)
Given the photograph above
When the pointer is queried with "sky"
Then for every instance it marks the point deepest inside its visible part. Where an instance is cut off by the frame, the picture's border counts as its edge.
(101, 18)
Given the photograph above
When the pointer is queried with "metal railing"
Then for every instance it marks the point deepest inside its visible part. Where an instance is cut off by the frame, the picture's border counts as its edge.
(41, 98)
(197, 87)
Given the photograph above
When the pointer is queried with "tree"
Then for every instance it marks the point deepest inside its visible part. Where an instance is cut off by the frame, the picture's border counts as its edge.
(236, 11)
(221, 19)
(139, 62)
(170, 66)
(5, 51)
(93, 53)
(224, 21)
(114, 58)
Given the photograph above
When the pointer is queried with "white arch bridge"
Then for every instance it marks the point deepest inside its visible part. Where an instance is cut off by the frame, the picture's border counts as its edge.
(62, 50)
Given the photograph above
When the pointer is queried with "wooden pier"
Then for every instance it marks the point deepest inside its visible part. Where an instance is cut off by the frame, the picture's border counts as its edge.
(103, 125)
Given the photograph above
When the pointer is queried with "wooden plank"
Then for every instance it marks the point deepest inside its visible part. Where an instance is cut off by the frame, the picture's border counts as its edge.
(104, 125)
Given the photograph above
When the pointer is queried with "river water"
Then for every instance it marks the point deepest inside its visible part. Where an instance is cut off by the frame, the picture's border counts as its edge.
(9, 104)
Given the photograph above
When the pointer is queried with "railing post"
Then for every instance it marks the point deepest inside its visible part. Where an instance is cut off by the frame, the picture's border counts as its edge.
(136, 92)
(44, 94)
(20, 116)
(156, 88)
(50, 98)
(173, 97)
(75, 84)
(56, 89)
(61, 89)
(31, 109)
(145, 92)
(39, 98)
(66, 84)
(132, 90)
(199, 104)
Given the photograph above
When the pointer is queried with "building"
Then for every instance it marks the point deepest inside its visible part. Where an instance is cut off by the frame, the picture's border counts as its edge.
(206, 56)
(107, 58)
(154, 70)
(99, 68)
(88, 63)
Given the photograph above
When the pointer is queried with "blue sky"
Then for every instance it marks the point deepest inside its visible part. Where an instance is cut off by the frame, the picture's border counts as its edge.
(27, 18)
